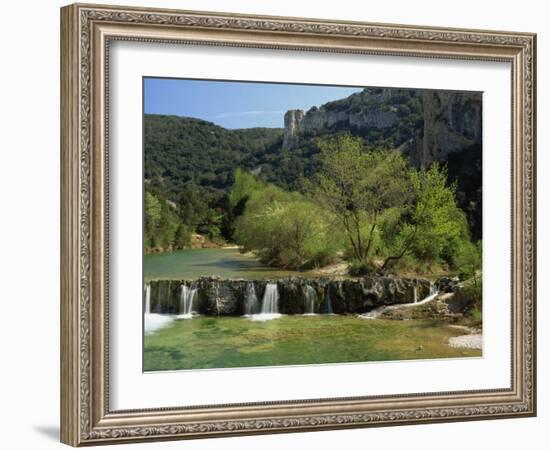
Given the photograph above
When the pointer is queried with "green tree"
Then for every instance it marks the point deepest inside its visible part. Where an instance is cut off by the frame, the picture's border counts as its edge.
(191, 207)
(283, 228)
(152, 212)
(163, 228)
(243, 186)
(467, 259)
(182, 238)
(359, 188)
(430, 223)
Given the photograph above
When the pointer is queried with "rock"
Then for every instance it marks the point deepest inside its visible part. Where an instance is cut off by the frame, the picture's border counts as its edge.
(471, 341)
(446, 306)
(294, 297)
(447, 284)
(164, 297)
(218, 297)
(460, 302)
(451, 121)
(293, 120)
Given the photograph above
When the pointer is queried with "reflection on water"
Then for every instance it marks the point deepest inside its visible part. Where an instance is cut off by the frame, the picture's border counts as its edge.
(224, 263)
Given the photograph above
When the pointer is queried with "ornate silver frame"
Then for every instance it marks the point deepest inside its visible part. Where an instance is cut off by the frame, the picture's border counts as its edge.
(86, 31)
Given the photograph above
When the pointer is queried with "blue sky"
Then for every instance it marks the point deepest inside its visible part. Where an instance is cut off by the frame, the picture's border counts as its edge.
(235, 104)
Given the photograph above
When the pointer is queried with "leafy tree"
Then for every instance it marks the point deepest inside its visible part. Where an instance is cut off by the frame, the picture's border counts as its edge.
(182, 238)
(430, 223)
(163, 228)
(359, 188)
(191, 207)
(211, 224)
(152, 210)
(243, 186)
(468, 259)
(284, 228)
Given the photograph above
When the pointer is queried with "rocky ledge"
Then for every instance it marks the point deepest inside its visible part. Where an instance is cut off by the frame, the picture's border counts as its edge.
(215, 296)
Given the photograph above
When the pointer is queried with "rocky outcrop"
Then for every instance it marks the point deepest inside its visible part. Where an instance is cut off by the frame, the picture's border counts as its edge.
(359, 111)
(437, 309)
(215, 296)
(452, 123)
(448, 305)
(449, 121)
(292, 131)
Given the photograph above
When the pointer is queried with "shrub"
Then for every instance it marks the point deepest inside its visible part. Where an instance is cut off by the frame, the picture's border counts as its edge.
(284, 228)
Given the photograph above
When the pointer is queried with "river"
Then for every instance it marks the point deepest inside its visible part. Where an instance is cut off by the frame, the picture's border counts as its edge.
(222, 262)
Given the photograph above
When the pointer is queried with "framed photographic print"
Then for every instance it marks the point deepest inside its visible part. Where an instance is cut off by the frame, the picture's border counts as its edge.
(276, 224)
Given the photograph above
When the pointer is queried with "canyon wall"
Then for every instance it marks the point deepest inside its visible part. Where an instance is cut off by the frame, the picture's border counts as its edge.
(450, 121)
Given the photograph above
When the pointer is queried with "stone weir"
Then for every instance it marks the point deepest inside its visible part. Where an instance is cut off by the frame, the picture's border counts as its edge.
(220, 297)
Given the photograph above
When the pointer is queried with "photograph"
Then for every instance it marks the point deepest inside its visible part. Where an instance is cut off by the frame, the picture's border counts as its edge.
(297, 224)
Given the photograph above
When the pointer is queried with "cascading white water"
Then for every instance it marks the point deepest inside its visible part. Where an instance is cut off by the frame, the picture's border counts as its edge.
(270, 304)
(187, 302)
(375, 313)
(270, 301)
(310, 300)
(251, 305)
(148, 299)
(328, 301)
(415, 294)
(153, 321)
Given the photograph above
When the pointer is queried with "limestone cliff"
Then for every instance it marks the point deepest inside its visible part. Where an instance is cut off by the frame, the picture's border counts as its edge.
(452, 122)
(427, 125)
(368, 109)
(293, 119)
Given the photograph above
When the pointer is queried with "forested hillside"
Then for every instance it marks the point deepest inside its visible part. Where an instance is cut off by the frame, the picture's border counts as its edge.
(190, 164)
(182, 151)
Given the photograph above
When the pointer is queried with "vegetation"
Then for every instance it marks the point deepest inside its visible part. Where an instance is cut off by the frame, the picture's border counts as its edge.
(360, 189)
(284, 228)
(163, 230)
(190, 154)
(339, 192)
(368, 203)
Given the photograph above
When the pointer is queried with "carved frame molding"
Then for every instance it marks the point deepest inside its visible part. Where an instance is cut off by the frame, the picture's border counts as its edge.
(86, 32)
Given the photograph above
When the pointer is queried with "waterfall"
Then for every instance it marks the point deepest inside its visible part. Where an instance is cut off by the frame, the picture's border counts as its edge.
(415, 294)
(270, 304)
(148, 299)
(328, 301)
(187, 302)
(154, 321)
(251, 305)
(310, 300)
(375, 313)
(270, 301)
(432, 293)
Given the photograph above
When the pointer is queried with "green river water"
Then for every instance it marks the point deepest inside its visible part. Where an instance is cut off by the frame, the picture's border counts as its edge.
(222, 262)
(220, 342)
